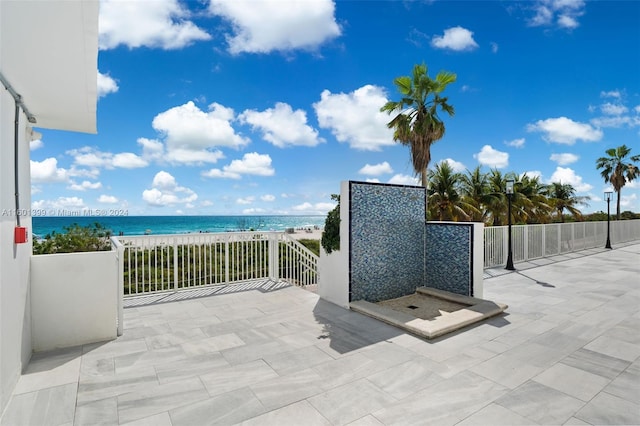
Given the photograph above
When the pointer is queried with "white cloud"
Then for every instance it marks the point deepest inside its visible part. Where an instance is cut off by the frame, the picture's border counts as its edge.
(376, 169)
(107, 199)
(90, 157)
(564, 130)
(492, 157)
(190, 133)
(516, 143)
(106, 85)
(613, 109)
(251, 164)
(155, 24)
(317, 208)
(455, 38)
(272, 25)
(61, 203)
(494, 47)
(372, 180)
(533, 174)
(567, 21)
(245, 200)
(627, 201)
(282, 126)
(46, 171)
(401, 179)
(253, 211)
(611, 94)
(154, 150)
(84, 185)
(268, 198)
(615, 114)
(165, 191)
(355, 117)
(35, 144)
(616, 121)
(151, 149)
(568, 176)
(564, 159)
(563, 13)
(128, 160)
(456, 166)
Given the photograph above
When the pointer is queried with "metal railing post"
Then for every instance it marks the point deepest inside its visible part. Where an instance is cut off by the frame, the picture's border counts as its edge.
(120, 284)
(175, 264)
(226, 259)
(274, 258)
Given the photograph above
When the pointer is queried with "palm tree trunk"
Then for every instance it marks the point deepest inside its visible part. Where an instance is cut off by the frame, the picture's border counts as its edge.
(618, 204)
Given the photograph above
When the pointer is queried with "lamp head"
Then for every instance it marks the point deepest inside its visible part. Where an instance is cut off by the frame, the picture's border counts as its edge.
(509, 187)
(607, 195)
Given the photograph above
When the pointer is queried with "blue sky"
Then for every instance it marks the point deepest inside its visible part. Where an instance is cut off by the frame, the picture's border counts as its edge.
(263, 107)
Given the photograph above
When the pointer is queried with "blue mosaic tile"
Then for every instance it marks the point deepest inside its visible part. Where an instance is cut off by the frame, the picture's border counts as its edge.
(448, 257)
(387, 240)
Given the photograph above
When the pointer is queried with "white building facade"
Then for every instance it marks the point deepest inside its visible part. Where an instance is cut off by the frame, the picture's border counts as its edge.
(48, 56)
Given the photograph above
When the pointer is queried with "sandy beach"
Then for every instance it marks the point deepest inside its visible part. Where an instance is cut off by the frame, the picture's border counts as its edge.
(301, 234)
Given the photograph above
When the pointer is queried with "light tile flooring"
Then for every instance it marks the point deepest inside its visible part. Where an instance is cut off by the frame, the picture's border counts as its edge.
(566, 352)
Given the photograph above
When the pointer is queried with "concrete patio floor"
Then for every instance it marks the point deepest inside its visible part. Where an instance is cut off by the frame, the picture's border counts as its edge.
(567, 351)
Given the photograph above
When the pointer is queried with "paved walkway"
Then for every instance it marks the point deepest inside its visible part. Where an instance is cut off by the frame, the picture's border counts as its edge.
(566, 352)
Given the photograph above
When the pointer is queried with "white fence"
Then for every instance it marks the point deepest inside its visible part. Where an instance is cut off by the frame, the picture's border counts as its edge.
(536, 241)
(172, 262)
(150, 264)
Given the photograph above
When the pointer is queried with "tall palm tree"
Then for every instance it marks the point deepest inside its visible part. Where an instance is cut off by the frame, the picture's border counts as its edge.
(445, 201)
(417, 123)
(617, 171)
(563, 196)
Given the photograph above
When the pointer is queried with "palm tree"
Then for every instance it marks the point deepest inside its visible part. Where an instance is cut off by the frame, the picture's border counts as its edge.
(474, 187)
(445, 201)
(618, 172)
(533, 198)
(562, 196)
(417, 123)
(496, 208)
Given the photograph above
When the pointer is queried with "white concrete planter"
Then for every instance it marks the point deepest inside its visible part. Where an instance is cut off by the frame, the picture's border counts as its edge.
(333, 277)
(74, 299)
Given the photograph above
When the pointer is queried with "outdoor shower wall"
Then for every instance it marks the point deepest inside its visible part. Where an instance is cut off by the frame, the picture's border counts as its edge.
(451, 257)
(386, 240)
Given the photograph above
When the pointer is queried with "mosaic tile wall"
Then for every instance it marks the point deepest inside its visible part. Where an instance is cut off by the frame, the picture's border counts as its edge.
(448, 257)
(386, 240)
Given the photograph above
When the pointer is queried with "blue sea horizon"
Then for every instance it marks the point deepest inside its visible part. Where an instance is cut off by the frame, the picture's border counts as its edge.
(162, 225)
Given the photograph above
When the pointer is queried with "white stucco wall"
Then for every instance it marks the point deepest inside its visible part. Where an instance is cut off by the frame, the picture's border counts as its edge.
(74, 299)
(15, 327)
(478, 260)
(333, 269)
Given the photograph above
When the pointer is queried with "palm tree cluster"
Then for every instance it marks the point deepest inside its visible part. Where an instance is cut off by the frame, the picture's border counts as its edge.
(476, 196)
(481, 197)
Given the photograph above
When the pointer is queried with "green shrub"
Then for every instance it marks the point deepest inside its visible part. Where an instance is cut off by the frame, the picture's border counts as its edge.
(313, 245)
(331, 236)
(76, 238)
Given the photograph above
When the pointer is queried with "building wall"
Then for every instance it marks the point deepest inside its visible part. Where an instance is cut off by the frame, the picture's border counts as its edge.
(333, 279)
(74, 299)
(387, 224)
(15, 314)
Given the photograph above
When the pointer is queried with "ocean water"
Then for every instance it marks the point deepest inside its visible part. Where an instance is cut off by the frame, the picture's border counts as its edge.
(159, 225)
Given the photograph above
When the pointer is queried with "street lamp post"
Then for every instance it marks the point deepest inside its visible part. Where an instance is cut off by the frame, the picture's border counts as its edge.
(509, 191)
(607, 196)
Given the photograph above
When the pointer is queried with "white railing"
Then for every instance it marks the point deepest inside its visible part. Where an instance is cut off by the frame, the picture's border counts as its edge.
(153, 264)
(536, 241)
